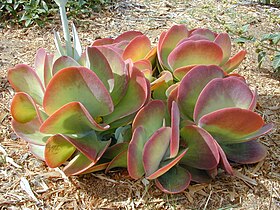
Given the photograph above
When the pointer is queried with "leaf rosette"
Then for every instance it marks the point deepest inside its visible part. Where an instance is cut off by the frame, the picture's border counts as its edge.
(69, 113)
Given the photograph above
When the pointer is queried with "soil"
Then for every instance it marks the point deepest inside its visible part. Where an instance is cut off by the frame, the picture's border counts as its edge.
(27, 183)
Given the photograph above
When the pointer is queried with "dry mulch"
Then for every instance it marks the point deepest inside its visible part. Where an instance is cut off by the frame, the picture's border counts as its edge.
(26, 183)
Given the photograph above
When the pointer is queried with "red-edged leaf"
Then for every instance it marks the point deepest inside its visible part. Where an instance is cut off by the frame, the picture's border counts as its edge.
(30, 131)
(137, 48)
(234, 62)
(135, 153)
(58, 150)
(77, 84)
(120, 72)
(23, 108)
(245, 153)
(78, 165)
(192, 85)
(176, 180)
(98, 63)
(195, 53)
(234, 125)
(165, 166)
(204, 32)
(134, 98)
(158, 142)
(89, 145)
(168, 41)
(120, 161)
(150, 117)
(223, 93)
(179, 73)
(24, 79)
(104, 41)
(43, 65)
(223, 40)
(97, 167)
(143, 64)
(254, 100)
(73, 118)
(202, 150)
(175, 133)
(223, 160)
(128, 36)
(63, 62)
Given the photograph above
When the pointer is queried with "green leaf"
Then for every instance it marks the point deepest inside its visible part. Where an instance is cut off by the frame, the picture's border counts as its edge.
(261, 58)
(276, 61)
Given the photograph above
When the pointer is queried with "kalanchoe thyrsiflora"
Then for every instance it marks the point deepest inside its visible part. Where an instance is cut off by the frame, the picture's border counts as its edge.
(180, 49)
(133, 45)
(223, 106)
(155, 151)
(67, 112)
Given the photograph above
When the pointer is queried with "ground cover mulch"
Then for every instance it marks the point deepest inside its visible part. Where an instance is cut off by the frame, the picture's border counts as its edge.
(27, 183)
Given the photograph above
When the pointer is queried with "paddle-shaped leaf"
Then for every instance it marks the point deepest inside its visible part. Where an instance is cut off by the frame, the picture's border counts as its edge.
(30, 131)
(245, 153)
(166, 165)
(23, 108)
(79, 164)
(190, 53)
(192, 85)
(89, 145)
(150, 117)
(233, 125)
(175, 130)
(202, 150)
(119, 70)
(235, 61)
(176, 180)
(63, 62)
(168, 41)
(98, 63)
(137, 49)
(72, 118)
(159, 142)
(58, 150)
(134, 98)
(223, 93)
(135, 152)
(77, 84)
(24, 79)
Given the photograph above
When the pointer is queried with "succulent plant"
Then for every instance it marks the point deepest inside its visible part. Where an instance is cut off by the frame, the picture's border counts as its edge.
(155, 149)
(223, 107)
(133, 45)
(180, 49)
(67, 112)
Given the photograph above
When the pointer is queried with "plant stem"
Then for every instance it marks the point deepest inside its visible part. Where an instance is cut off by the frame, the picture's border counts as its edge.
(65, 30)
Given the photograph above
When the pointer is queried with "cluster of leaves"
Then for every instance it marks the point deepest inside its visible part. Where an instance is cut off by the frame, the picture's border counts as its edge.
(171, 113)
(28, 12)
(266, 47)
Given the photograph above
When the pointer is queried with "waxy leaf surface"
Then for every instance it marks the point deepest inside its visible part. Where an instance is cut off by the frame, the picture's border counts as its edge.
(159, 142)
(24, 79)
(195, 53)
(245, 153)
(78, 84)
(223, 93)
(176, 180)
(192, 85)
(202, 150)
(232, 125)
(72, 118)
(58, 150)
